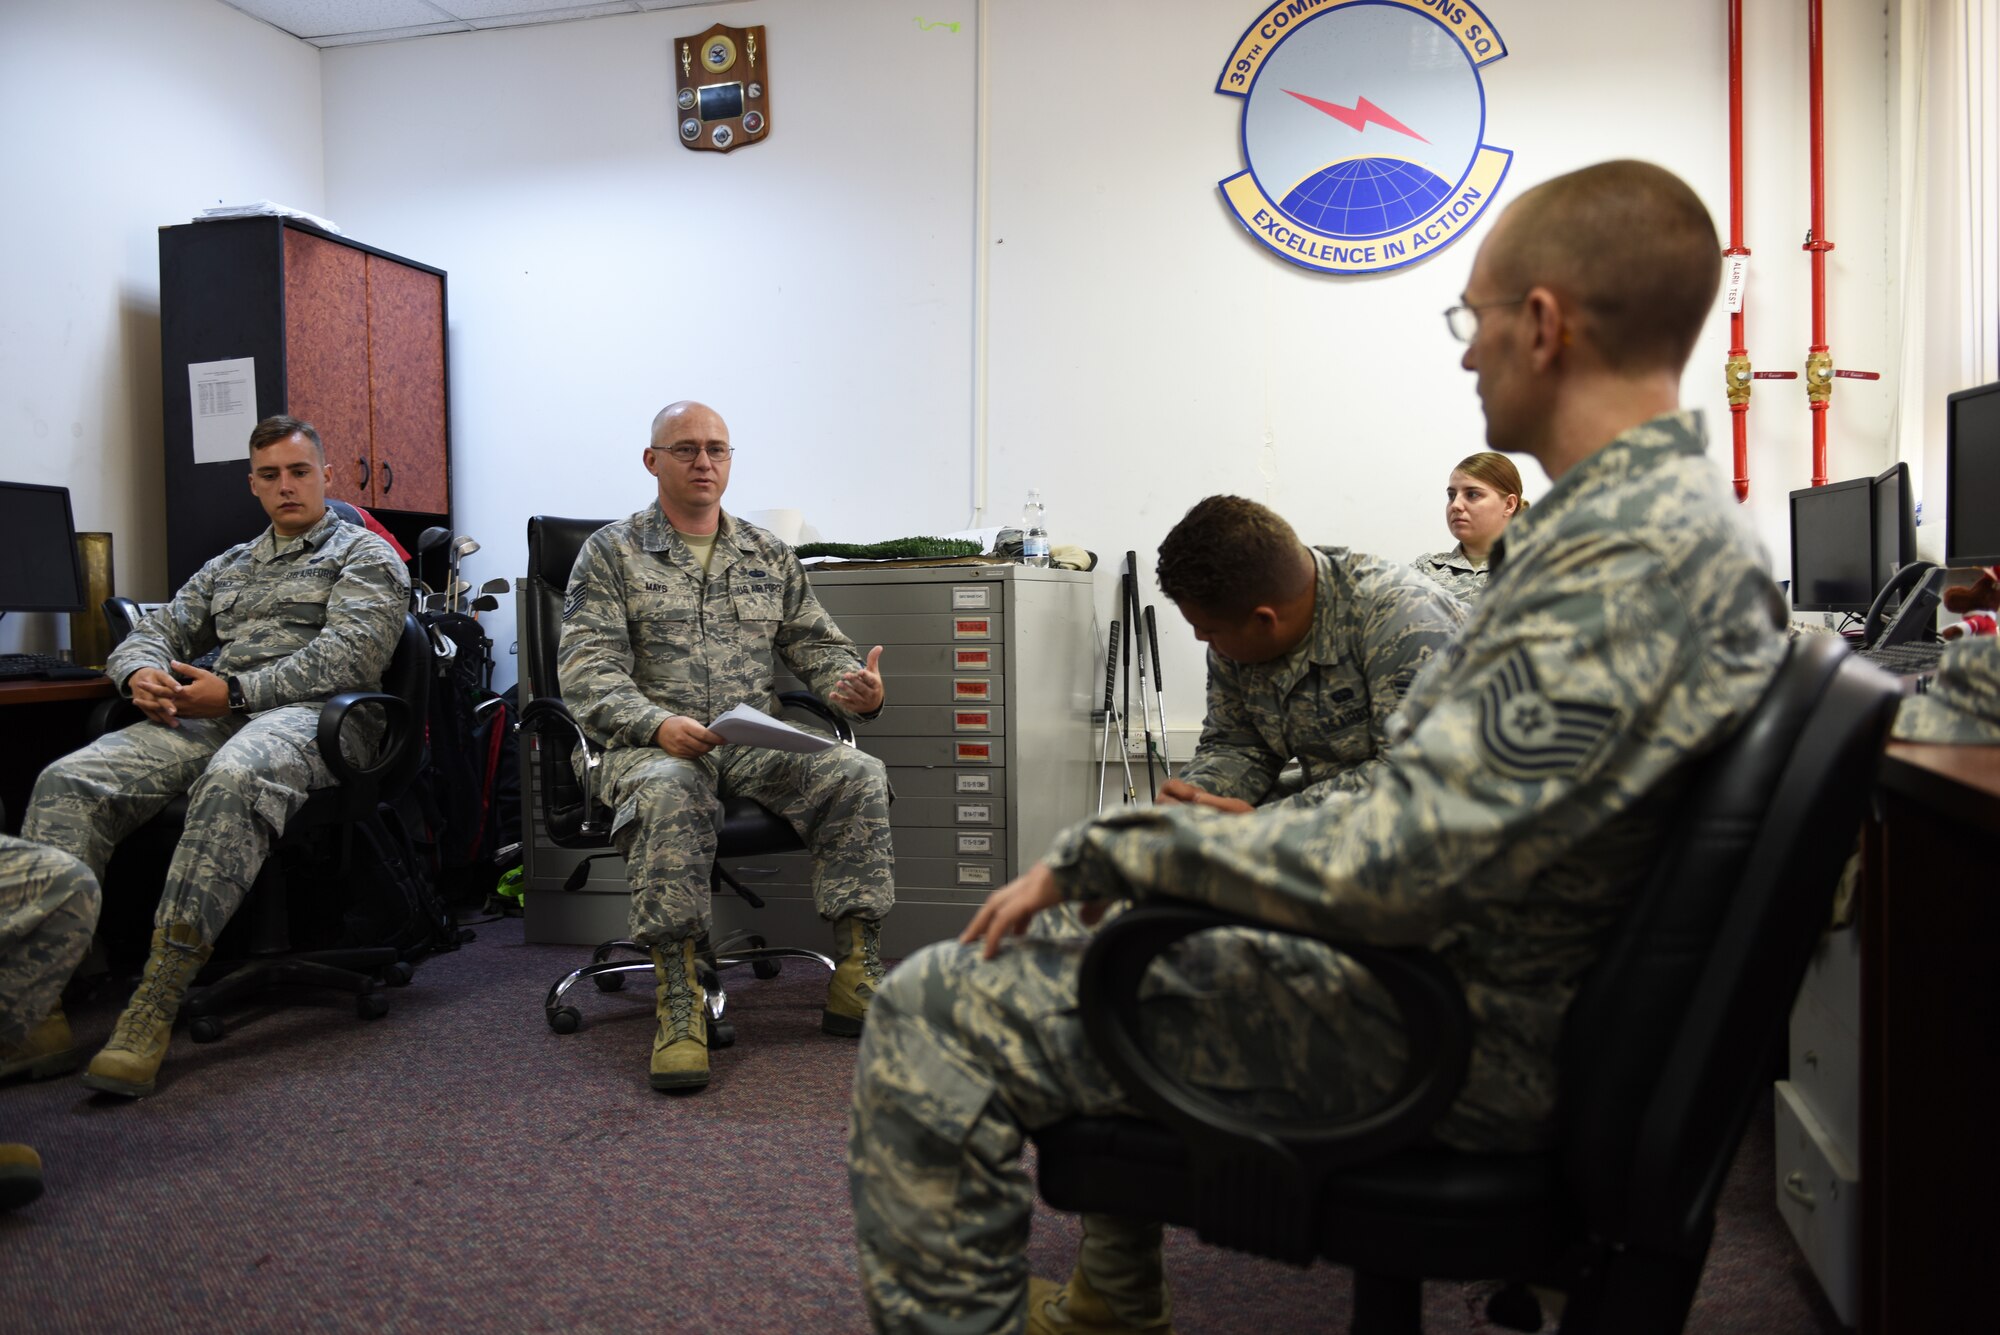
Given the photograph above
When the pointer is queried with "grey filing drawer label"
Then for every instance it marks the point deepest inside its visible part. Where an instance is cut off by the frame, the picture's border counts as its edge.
(975, 873)
(975, 845)
(964, 596)
(975, 813)
(972, 783)
(911, 782)
(972, 660)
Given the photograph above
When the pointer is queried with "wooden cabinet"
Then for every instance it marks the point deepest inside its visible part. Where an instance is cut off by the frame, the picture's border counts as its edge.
(346, 336)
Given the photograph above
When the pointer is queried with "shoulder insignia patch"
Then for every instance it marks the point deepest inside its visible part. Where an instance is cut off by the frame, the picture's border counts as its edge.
(575, 601)
(1530, 736)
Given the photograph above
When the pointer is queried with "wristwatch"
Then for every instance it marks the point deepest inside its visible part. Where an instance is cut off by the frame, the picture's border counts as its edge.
(237, 703)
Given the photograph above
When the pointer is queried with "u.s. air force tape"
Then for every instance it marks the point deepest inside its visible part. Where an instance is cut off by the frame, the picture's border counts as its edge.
(575, 601)
(1531, 736)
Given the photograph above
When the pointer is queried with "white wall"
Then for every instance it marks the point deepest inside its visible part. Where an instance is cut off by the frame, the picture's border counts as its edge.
(815, 289)
(1142, 350)
(1147, 352)
(121, 116)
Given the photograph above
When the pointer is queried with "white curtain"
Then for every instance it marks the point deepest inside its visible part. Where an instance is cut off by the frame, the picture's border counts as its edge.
(1947, 92)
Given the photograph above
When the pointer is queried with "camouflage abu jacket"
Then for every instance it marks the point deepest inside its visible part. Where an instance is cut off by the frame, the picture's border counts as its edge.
(294, 627)
(1328, 702)
(645, 636)
(1630, 624)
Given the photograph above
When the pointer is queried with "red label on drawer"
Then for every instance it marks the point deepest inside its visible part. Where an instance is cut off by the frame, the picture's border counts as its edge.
(975, 753)
(972, 660)
(972, 628)
(971, 720)
(972, 690)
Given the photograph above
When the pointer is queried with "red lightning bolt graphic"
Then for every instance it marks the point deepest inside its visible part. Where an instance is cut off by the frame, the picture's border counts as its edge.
(1357, 116)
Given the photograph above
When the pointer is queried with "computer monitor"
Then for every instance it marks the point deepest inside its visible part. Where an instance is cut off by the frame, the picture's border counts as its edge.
(1895, 522)
(39, 569)
(1833, 547)
(1972, 477)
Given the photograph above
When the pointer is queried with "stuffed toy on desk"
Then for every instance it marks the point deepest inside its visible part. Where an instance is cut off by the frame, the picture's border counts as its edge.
(1963, 703)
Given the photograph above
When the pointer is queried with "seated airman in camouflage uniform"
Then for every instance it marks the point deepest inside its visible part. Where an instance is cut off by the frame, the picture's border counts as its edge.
(311, 607)
(48, 909)
(673, 617)
(1630, 627)
(1480, 496)
(1310, 652)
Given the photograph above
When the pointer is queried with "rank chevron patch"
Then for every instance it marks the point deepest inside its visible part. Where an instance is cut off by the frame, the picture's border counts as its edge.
(1529, 735)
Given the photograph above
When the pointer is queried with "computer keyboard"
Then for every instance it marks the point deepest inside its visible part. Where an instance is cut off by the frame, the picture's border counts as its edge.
(40, 667)
(1906, 659)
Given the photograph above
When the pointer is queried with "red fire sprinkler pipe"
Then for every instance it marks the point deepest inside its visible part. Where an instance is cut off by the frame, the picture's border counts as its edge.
(1736, 372)
(1819, 358)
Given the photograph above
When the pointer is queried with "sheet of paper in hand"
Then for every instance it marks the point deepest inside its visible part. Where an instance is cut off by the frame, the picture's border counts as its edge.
(745, 726)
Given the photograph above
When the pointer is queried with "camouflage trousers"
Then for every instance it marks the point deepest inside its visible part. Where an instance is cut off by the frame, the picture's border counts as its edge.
(48, 909)
(668, 811)
(963, 1057)
(245, 778)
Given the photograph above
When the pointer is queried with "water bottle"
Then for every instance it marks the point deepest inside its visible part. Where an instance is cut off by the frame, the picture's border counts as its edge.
(1034, 531)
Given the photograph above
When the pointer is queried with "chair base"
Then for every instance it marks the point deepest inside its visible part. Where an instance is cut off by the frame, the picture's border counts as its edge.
(608, 975)
(359, 973)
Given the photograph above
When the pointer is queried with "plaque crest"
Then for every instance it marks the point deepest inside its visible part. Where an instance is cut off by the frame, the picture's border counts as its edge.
(722, 95)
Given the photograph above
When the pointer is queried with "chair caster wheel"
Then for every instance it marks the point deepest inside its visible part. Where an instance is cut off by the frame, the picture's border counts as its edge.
(204, 1029)
(608, 982)
(565, 1019)
(721, 1034)
(371, 1006)
(399, 974)
(766, 968)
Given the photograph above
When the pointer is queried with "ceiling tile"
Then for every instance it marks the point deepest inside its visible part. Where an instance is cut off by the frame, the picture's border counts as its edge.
(387, 34)
(324, 18)
(541, 13)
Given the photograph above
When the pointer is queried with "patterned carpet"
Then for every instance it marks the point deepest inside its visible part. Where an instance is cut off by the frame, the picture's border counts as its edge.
(457, 1166)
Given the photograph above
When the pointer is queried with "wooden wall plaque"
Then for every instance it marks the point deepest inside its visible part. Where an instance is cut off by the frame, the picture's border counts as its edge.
(722, 100)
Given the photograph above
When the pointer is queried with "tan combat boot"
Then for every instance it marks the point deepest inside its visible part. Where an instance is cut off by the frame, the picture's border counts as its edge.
(857, 952)
(47, 1050)
(1075, 1309)
(680, 1045)
(129, 1063)
(20, 1176)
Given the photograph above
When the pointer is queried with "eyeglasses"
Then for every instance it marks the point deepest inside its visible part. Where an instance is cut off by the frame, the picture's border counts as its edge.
(685, 453)
(1463, 321)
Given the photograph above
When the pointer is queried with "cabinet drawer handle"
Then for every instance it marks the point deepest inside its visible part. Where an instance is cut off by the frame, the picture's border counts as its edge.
(388, 477)
(366, 473)
(1795, 1187)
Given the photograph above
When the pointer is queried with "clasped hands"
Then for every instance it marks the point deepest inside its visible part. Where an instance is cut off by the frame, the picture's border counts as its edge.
(857, 692)
(163, 698)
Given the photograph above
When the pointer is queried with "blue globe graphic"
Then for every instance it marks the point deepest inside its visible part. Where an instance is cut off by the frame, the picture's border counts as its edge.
(1365, 196)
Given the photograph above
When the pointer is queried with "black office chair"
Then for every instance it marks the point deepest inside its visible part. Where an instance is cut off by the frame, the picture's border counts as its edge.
(1666, 1051)
(574, 817)
(358, 806)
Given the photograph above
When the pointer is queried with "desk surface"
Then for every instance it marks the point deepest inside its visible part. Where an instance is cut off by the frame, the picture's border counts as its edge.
(1961, 781)
(37, 691)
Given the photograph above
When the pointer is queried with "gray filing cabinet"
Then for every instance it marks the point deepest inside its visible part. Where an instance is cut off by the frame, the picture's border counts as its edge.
(986, 733)
(1818, 1113)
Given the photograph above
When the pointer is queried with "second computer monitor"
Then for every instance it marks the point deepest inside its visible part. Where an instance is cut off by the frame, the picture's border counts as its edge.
(1833, 547)
(1895, 522)
(1972, 477)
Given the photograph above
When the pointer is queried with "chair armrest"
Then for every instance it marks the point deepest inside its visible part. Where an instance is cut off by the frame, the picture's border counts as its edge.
(109, 716)
(812, 704)
(584, 822)
(1263, 1175)
(397, 734)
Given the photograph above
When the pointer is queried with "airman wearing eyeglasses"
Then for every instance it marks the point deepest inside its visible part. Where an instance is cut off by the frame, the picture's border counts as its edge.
(676, 615)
